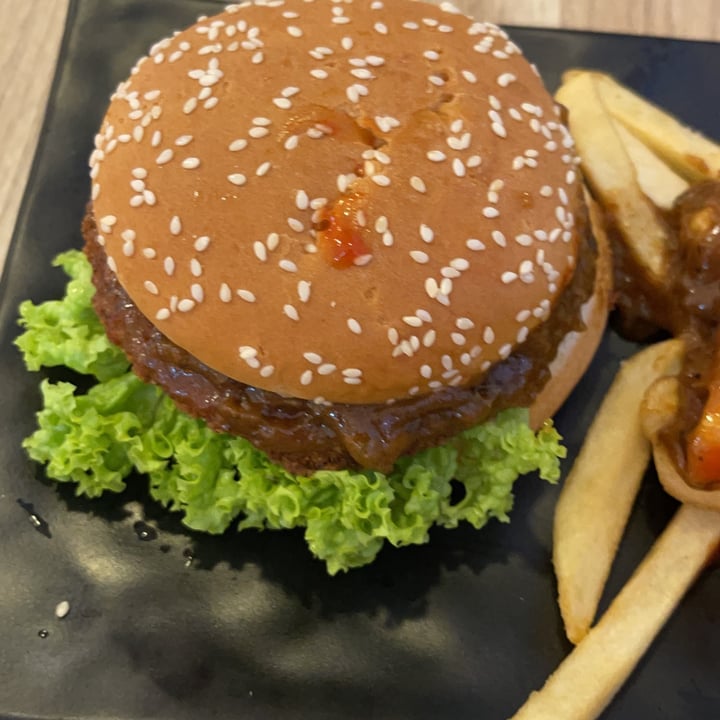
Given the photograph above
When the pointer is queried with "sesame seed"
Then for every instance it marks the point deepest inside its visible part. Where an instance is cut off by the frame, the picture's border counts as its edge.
(294, 31)
(347, 43)
(291, 143)
(499, 129)
(473, 161)
(149, 253)
(393, 336)
(490, 212)
(237, 179)
(267, 371)
(306, 377)
(246, 295)
(410, 25)
(313, 358)
(499, 238)
(319, 73)
(426, 233)
(420, 257)
(436, 155)
(526, 267)
(505, 79)
(381, 224)
(362, 73)
(287, 265)
(388, 239)
(488, 335)
(258, 132)
(375, 60)
(429, 338)
(291, 312)
(195, 267)
(458, 167)
(380, 28)
(362, 259)
(175, 225)
(446, 286)
(225, 293)
(524, 239)
(162, 314)
(326, 369)
(191, 163)
(417, 184)
(151, 287)
(190, 105)
(449, 272)
(263, 168)
(247, 352)
(354, 326)
(381, 180)
(186, 305)
(260, 251)
(303, 289)
(426, 371)
(474, 244)
(169, 266)
(546, 191)
(458, 338)
(436, 80)
(137, 185)
(464, 323)
(412, 321)
(352, 372)
(505, 351)
(431, 55)
(197, 292)
(201, 243)
(508, 276)
(295, 224)
(469, 76)
(301, 200)
(431, 287)
(139, 173)
(282, 103)
(164, 157)
(257, 58)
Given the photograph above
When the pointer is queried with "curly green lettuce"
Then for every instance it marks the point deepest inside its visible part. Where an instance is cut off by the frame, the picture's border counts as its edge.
(121, 425)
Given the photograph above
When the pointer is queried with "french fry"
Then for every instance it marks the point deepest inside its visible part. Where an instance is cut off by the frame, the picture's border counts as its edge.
(658, 409)
(588, 679)
(612, 176)
(599, 492)
(661, 184)
(691, 154)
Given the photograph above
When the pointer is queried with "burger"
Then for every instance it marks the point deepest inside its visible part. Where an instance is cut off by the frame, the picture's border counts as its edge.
(344, 248)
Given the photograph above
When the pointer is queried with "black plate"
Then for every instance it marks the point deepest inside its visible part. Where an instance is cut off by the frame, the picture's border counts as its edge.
(251, 626)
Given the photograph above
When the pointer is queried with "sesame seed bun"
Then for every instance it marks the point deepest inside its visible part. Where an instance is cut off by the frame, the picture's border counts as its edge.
(347, 203)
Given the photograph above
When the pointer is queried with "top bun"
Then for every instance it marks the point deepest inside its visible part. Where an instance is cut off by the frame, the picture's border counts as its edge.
(344, 202)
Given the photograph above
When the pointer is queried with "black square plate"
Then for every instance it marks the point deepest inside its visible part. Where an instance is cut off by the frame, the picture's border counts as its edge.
(249, 626)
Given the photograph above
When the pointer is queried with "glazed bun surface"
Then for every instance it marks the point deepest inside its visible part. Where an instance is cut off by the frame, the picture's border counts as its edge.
(351, 202)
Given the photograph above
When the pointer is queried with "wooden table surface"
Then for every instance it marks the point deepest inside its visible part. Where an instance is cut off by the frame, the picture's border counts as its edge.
(30, 32)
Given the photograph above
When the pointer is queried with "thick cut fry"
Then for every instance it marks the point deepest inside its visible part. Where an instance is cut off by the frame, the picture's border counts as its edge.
(691, 154)
(611, 175)
(589, 677)
(599, 492)
(658, 409)
(656, 179)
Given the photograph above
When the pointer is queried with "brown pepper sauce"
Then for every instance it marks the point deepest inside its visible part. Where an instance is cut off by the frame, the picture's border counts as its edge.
(689, 305)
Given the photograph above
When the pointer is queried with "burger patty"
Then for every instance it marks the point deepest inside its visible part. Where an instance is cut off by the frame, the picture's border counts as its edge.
(304, 436)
